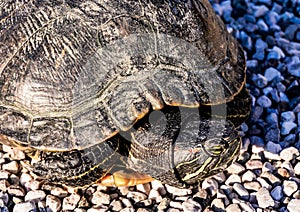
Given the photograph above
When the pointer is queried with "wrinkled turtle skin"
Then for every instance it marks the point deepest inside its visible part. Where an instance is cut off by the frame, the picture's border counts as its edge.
(121, 92)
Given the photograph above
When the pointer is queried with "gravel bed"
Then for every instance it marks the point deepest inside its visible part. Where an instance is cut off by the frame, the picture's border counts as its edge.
(266, 176)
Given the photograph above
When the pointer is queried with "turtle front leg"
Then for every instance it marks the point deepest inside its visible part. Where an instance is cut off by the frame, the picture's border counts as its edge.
(125, 178)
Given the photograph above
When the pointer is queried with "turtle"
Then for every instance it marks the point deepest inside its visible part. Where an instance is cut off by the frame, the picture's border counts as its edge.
(121, 92)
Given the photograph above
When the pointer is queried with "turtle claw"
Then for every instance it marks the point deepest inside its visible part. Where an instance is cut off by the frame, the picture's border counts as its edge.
(122, 178)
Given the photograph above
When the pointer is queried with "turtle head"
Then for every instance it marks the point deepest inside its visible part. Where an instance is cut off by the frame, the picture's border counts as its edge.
(213, 151)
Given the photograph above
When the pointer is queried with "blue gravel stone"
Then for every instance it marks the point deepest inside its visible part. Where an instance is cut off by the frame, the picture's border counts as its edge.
(295, 83)
(271, 18)
(275, 96)
(267, 90)
(275, 28)
(272, 73)
(227, 10)
(279, 52)
(257, 141)
(298, 116)
(273, 134)
(288, 116)
(251, 27)
(297, 110)
(260, 81)
(283, 97)
(264, 102)
(272, 119)
(271, 41)
(276, 8)
(262, 26)
(260, 44)
(280, 87)
(295, 20)
(266, 2)
(259, 55)
(287, 126)
(244, 127)
(246, 40)
(256, 113)
(250, 18)
(252, 64)
(298, 36)
(290, 31)
(218, 9)
(286, 17)
(290, 138)
(260, 10)
(294, 69)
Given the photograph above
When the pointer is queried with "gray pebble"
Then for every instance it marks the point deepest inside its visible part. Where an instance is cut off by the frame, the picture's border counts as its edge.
(297, 168)
(4, 197)
(163, 204)
(53, 202)
(77, 210)
(70, 202)
(202, 193)
(35, 196)
(268, 167)
(154, 195)
(264, 183)
(175, 204)
(294, 205)
(252, 186)
(264, 198)
(241, 191)
(254, 164)
(257, 144)
(289, 187)
(233, 208)
(191, 205)
(248, 176)
(221, 195)
(116, 205)
(260, 10)
(289, 153)
(246, 206)
(271, 177)
(277, 193)
(136, 196)
(177, 191)
(13, 153)
(25, 206)
(16, 190)
(235, 168)
(100, 198)
(59, 192)
(173, 210)
(218, 205)
(12, 167)
(98, 208)
(233, 178)
(210, 185)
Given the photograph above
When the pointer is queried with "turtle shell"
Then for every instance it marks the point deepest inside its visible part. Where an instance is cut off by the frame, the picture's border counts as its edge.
(75, 73)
